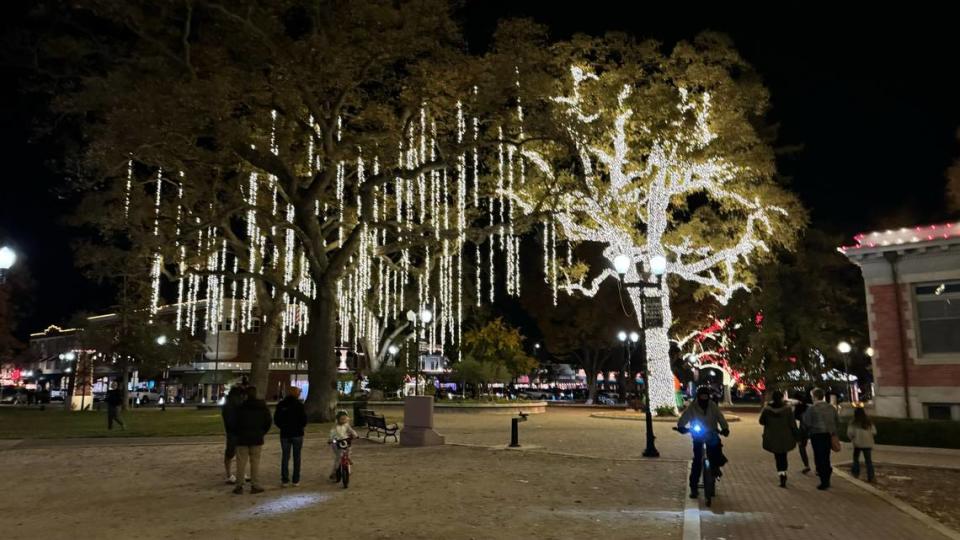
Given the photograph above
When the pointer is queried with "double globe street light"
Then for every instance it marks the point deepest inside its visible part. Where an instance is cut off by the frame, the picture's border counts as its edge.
(622, 263)
(418, 320)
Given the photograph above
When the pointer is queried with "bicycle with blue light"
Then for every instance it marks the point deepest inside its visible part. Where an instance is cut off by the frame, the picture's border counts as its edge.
(706, 438)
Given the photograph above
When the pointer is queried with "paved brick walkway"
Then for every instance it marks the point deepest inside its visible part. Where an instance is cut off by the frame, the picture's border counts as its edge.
(750, 504)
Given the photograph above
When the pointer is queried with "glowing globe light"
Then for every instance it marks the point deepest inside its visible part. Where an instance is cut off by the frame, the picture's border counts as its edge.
(426, 316)
(621, 263)
(634, 337)
(844, 347)
(621, 335)
(7, 258)
(658, 265)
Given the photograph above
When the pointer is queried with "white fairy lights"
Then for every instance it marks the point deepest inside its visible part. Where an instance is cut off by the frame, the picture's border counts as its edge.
(621, 187)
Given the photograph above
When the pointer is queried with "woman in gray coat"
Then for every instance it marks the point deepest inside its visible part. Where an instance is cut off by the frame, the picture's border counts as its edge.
(779, 432)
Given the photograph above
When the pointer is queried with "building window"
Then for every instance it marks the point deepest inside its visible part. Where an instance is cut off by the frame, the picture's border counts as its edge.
(938, 317)
(938, 411)
(254, 326)
(285, 353)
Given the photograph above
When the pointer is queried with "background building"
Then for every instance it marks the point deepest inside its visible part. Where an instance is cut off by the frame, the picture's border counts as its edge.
(912, 282)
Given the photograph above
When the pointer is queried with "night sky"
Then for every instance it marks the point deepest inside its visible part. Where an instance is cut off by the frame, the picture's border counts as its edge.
(873, 98)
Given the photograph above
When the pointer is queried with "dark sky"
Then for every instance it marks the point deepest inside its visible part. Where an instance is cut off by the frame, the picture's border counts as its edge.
(872, 97)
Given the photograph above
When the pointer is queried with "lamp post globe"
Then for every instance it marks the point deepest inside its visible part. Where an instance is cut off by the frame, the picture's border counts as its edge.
(161, 340)
(658, 265)
(621, 335)
(392, 349)
(426, 315)
(869, 352)
(621, 263)
(70, 356)
(7, 258)
(634, 337)
(844, 347)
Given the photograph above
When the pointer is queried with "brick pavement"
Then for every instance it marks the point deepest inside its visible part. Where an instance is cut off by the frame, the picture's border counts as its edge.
(750, 505)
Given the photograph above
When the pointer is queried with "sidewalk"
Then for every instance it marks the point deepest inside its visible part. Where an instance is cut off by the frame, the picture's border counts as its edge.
(750, 505)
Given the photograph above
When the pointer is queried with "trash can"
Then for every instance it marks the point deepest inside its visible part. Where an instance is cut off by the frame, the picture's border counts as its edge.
(359, 419)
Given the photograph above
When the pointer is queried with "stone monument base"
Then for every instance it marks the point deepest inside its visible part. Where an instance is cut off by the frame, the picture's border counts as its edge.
(418, 423)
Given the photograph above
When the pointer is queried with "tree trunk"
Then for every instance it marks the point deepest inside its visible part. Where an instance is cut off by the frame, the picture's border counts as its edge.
(124, 367)
(590, 367)
(270, 327)
(318, 346)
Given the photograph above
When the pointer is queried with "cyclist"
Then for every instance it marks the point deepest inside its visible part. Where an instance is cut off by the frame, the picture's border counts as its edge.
(704, 420)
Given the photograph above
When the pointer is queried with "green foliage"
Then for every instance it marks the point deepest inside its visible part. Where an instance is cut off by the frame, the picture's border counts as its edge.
(810, 300)
(388, 379)
(904, 432)
(499, 348)
(666, 410)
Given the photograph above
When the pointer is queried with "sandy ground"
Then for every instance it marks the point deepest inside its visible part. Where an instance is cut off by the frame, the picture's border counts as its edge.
(176, 491)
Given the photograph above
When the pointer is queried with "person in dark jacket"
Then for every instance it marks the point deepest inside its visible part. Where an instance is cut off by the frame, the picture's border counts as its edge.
(704, 418)
(250, 424)
(779, 432)
(802, 436)
(114, 402)
(228, 411)
(821, 421)
(291, 418)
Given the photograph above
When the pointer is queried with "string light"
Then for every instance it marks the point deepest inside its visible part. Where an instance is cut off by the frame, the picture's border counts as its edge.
(644, 188)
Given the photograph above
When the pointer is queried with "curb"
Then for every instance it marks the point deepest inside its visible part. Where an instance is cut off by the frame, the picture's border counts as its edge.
(900, 505)
(690, 528)
(533, 449)
(640, 418)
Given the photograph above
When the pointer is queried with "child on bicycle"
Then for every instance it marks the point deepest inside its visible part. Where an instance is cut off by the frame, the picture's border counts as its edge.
(341, 430)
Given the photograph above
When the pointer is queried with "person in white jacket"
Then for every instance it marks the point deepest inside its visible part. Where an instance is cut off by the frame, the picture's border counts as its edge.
(341, 430)
(861, 432)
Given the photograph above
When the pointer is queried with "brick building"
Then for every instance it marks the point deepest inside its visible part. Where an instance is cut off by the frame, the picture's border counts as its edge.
(912, 283)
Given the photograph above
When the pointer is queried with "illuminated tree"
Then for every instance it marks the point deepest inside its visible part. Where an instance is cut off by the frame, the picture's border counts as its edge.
(687, 181)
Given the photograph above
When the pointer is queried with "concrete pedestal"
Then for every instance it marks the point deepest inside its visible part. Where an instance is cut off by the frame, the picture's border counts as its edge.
(418, 423)
(81, 403)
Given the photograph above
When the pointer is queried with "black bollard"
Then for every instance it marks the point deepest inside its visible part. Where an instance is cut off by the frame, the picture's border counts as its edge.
(514, 433)
(515, 430)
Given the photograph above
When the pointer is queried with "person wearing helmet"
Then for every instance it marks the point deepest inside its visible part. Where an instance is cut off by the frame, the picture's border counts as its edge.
(704, 419)
(341, 430)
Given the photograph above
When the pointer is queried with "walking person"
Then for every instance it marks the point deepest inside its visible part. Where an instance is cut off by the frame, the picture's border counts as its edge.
(114, 403)
(779, 432)
(802, 436)
(228, 411)
(291, 418)
(821, 420)
(861, 432)
(252, 422)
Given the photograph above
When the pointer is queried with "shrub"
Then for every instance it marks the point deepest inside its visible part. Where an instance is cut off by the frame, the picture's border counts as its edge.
(388, 379)
(903, 432)
(666, 410)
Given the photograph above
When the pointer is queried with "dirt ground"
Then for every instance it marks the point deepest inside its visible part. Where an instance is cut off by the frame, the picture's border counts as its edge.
(926, 488)
(177, 491)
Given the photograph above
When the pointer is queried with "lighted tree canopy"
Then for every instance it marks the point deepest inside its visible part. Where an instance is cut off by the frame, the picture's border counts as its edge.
(328, 166)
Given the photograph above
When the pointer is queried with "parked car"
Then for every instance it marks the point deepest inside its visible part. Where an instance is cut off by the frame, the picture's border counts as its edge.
(13, 395)
(608, 398)
(144, 397)
(533, 393)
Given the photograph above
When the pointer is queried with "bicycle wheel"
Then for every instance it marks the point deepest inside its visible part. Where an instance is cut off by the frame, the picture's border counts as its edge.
(345, 475)
(709, 482)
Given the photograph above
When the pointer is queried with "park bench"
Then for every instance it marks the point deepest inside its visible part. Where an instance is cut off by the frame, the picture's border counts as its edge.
(378, 424)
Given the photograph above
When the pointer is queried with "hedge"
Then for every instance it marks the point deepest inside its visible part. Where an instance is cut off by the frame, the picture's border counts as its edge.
(903, 432)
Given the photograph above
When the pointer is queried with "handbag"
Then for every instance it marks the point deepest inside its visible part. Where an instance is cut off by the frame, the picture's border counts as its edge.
(835, 442)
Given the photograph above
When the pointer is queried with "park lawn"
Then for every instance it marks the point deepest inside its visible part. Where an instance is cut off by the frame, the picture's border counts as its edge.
(18, 423)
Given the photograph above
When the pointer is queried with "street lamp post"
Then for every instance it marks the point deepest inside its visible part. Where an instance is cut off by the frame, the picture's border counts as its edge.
(161, 341)
(658, 266)
(418, 320)
(845, 349)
